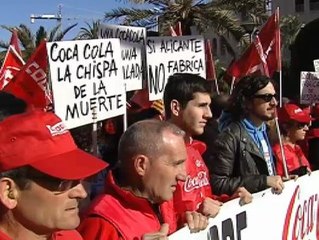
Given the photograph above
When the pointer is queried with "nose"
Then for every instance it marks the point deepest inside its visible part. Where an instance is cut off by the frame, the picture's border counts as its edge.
(208, 113)
(181, 174)
(79, 191)
(274, 101)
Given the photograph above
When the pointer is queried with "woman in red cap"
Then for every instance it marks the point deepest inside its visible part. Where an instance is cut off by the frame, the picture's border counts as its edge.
(294, 124)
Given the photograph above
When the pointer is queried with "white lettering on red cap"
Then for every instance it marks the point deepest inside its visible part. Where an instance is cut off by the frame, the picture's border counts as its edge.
(198, 181)
(57, 129)
(298, 110)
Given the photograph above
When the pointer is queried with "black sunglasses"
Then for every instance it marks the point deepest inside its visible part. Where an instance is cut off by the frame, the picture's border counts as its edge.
(266, 97)
(301, 125)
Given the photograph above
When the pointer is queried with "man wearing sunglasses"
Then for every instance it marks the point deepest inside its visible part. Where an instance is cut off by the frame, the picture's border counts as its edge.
(243, 155)
(41, 173)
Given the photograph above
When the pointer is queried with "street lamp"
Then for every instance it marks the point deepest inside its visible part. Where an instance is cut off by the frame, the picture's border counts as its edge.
(250, 28)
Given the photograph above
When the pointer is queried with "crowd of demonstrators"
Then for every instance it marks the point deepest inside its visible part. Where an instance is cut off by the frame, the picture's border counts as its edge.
(151, 163)
(294, 124)
(187, 104)
(243, 155)
(41, 173)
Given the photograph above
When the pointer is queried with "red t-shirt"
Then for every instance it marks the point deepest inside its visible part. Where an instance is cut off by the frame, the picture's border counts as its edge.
(61, 235)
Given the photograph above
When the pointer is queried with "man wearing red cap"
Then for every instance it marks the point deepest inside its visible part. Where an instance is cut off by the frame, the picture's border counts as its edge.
(294, 124)
(41, 173)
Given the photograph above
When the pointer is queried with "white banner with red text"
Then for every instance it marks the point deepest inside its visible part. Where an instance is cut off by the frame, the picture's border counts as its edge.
(291, 215)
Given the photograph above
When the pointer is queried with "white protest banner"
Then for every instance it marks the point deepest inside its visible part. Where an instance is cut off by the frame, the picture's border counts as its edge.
(85, 75)
(309, 87)
(291, 215)
(132, 51)
(168, 55)
(316, 65)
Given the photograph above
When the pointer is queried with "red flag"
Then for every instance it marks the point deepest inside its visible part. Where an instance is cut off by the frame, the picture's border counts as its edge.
(12, 63)
(14, 42)
(30, 84)
(269, 50)
(177, 30)
(210, 64)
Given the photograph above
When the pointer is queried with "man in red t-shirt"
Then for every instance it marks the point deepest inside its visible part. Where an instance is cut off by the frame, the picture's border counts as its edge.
(41, 173)
(187, 104)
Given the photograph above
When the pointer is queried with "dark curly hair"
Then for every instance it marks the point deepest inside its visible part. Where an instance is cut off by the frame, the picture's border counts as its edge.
(243, 91)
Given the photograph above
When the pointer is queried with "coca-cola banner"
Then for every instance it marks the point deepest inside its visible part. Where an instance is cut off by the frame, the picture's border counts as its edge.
(292, 215)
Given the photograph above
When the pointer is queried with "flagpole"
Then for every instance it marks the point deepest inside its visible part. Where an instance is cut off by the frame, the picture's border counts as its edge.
(232, 85)
(282, 151)
(125, 114)
(280, 88)
(94, 133)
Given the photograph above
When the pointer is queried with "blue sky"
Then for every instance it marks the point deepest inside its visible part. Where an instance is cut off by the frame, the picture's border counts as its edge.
(14, 12)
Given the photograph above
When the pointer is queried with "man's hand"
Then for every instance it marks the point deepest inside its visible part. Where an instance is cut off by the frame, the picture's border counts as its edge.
(196, 221)
(210, 207)
(276, 183)
(160, 235)
(245, 196)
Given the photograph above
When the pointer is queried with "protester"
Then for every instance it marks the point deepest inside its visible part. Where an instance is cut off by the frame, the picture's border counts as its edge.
(243, 155)
(187, 104)
(313, 139)
(41, 173)
(151, 163)
(9, 105)
(294, 124)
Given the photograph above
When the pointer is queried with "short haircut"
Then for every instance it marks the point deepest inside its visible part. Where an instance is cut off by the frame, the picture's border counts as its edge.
(244, 90)
(10, 105)
(19, 176)
(181, 87)
(144, 137)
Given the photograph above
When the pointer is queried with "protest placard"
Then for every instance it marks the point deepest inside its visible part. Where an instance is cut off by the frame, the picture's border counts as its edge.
(309, 87)
(132, 51)
(168, 55)
(85, 75)
(316, 65)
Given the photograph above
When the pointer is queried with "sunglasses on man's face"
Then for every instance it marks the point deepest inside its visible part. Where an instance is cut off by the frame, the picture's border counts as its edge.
(302, 125)
(266, 97)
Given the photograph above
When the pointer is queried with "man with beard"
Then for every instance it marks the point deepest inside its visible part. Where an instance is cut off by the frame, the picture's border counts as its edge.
(243, 155)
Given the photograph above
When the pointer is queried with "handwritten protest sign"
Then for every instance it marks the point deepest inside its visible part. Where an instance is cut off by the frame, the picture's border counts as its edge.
(169, 55)
(309, 87)
(86, 75)
(132, 51)
(316, 65)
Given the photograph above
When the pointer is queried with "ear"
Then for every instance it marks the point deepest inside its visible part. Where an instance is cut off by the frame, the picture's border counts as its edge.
(141, 164)
(8, 193)
(175, 107)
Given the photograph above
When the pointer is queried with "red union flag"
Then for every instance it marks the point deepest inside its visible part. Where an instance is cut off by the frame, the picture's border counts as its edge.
(177, 30)
(30, 84)
(12, 63)
(263, 54)
(210, 64)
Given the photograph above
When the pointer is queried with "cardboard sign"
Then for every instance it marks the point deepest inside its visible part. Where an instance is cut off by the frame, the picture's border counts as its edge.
(86, 75)
(132, 51)
(168, 55)
(309, 87)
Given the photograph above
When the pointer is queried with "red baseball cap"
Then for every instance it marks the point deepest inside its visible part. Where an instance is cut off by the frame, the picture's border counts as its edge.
(41, 140)
(291, 112)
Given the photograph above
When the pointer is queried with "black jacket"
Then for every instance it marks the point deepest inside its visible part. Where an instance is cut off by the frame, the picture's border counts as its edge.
(237, 162)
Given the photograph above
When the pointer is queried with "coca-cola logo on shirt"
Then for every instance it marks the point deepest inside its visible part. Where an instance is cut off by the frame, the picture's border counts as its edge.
(301, 218)
(196, 182)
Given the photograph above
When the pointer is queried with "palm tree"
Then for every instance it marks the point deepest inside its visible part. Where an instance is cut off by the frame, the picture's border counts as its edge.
(30, 41)
(223, 16)
(91, 32)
